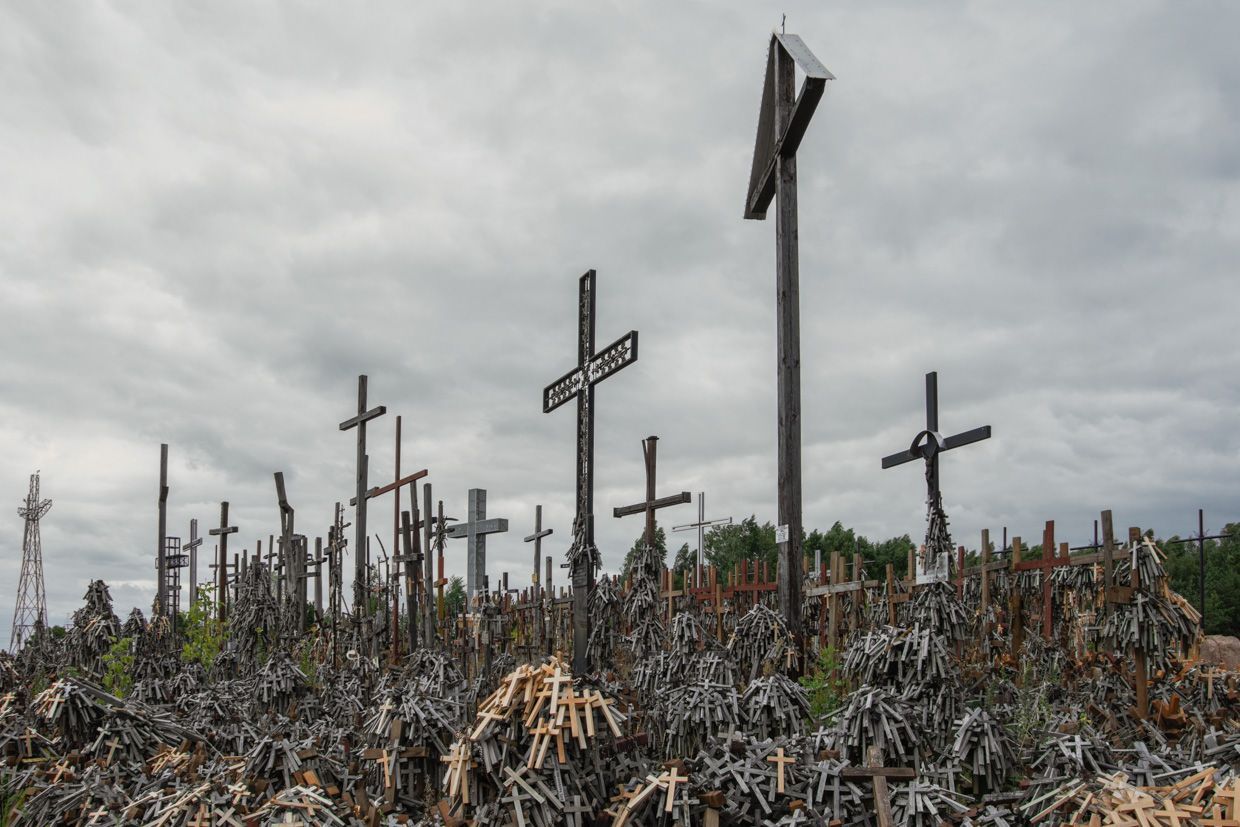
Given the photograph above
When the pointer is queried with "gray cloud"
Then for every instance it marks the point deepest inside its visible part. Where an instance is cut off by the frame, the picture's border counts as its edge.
(215, 219)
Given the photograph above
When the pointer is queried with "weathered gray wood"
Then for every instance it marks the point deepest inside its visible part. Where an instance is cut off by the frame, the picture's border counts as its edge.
(359, 519)
(160, 564)
(221, 572)
(475, 530)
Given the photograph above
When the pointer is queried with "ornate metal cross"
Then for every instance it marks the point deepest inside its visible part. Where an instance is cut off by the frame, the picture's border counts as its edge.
(592, 367)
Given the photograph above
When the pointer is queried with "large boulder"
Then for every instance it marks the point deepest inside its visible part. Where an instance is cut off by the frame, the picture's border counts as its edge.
(1223, 650)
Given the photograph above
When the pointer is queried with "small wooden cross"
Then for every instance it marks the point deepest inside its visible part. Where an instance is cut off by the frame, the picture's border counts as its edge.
(780, 761)
(672, 778)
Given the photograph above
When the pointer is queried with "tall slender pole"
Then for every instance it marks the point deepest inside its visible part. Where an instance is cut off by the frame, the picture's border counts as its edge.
(1201, 564)
(160, 563)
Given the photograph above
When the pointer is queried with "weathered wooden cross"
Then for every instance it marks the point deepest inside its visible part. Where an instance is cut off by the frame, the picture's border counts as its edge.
(160, 564)
(192, 549)
(652, 503)
(475, 530)
(536, 538)
(782, 120)
(592, 367)
(221, 570)
(359, 520)
(927, 445)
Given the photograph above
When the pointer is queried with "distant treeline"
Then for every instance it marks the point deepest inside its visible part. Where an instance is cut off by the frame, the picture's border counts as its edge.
(726, 546)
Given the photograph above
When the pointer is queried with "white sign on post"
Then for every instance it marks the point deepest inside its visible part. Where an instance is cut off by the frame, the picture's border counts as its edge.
(781, 533)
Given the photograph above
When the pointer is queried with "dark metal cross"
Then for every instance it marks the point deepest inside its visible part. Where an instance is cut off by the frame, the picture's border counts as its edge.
(928, 444)
(221, 570)
(359, 520)
(782, 120)
(475, 530)
(592, 367)
(650, 447)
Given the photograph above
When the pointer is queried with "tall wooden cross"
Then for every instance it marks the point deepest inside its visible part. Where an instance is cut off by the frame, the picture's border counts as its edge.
(192, 549)
(161, 565)
(928, 444)
(359, 519)
(592, 367)
(221, 570)
(650, 448)
(475, 530)
(782, 120)
(536, 539)
(701, 525)
(428, 569)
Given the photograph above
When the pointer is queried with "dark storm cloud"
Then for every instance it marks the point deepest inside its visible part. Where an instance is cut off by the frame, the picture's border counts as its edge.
(216, 218)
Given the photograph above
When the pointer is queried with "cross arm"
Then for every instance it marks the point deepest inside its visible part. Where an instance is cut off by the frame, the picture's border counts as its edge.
(195, 543)
(363, 418)
(967, 438)
(391, 486)
(232, 529)
(494, 526)
(561, 390)
(537, 535)
(614, 358)
(703, 524)
(762, 181)
(663, 502)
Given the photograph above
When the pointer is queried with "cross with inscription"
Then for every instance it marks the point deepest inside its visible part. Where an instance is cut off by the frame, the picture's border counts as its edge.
(475, 530)
(783, 119)
(592, 367)
(650, 448)
(221, 570)
(359, 519)
(927, 445)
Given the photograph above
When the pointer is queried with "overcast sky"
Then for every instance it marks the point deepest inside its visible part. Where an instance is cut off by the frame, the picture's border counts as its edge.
(215, 219)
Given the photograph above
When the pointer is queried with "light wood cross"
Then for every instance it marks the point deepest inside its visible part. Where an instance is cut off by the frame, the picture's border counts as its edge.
(780, 761)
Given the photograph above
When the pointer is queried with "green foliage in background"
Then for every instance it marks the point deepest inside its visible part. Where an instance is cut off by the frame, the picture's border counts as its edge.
(454, 598)
(826, 684)
(118, 667)
(204, 634)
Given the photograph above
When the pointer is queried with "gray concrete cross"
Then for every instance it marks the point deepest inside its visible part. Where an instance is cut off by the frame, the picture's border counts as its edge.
(475, 530)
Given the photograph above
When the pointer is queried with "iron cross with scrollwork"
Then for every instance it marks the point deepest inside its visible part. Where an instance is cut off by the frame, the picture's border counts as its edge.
(592, 368)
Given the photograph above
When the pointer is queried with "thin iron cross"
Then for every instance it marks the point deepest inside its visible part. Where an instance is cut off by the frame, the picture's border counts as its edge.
(592, 367)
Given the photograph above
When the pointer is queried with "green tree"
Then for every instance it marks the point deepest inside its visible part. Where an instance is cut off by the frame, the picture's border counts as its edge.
(1222, 581)
(118, 667)
(728, 545)
(660, 546)
(454, 598)
(204, 634)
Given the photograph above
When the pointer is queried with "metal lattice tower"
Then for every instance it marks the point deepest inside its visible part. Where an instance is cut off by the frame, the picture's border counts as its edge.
(31, 606)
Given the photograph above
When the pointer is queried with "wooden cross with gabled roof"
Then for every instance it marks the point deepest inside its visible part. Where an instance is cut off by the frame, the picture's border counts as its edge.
(782, 120)
(592, 367)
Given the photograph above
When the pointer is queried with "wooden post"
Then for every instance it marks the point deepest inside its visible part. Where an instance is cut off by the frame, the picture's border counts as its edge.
(985, 571)
(1017, 605)
(891, 593)
(1048, 557)
(1140, 676)
(1108, 553)
(833, 605)
(160, 563)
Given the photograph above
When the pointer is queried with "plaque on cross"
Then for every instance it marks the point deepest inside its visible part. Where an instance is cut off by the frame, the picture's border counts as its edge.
(592, 367)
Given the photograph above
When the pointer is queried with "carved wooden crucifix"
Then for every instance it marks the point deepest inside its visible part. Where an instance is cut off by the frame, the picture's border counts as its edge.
(782, 120)
(592, 367)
